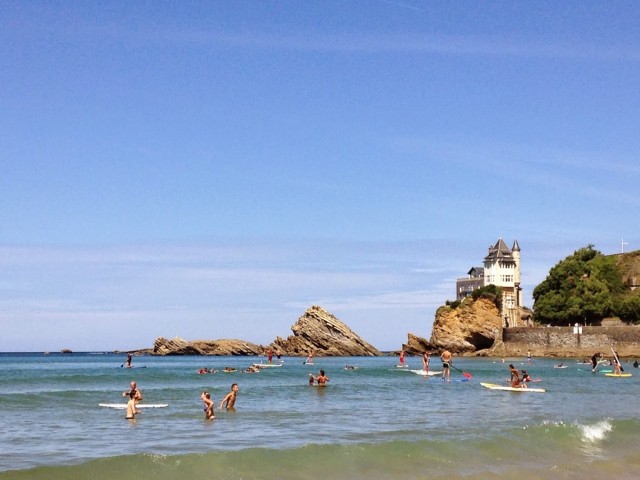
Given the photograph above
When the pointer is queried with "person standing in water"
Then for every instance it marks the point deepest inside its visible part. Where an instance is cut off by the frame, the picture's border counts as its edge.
(208, 406)
(131, 409)
(133, 389)
(446, 362)
(230, 398)
(321, 379)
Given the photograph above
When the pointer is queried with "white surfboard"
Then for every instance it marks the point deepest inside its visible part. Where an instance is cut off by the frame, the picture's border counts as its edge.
(493, 386)
(267, 365)
(140, 405)
(430, 373)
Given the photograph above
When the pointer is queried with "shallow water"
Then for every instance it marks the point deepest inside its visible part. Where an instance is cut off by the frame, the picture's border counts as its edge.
(376, 422)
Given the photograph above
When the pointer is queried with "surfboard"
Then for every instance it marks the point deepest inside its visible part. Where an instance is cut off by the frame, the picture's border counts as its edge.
(140, 405)
(430, 373)
(560, 366)
(619, 375)
(267, 365)
(493, 386)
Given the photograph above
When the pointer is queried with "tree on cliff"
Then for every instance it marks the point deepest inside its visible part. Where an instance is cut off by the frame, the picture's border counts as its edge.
(580, 288)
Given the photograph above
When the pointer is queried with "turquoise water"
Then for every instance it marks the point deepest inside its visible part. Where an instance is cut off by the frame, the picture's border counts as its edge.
(374, 422)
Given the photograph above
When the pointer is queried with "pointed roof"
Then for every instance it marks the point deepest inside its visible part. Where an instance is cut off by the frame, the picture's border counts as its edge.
(499, 251)
(516, 247)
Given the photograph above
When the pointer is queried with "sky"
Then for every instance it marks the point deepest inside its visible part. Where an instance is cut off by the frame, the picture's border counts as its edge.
(211, 169)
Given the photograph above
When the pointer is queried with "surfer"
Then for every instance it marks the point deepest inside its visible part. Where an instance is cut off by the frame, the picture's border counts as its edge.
(131, 409)
(309, 360)
(515, 376)
(446, 361)
(594, 361)
(207, 405)
(402, 357)
(129, 360)
(133, 390)
(321, 379)
(230, 398)
(617, 366)
(425, 362)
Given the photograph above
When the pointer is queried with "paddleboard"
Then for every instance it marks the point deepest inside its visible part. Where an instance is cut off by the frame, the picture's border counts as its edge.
(559, 366)
(430, 373)
(267, 365)
(605, 371)
(402, 366)
(309, 363)
(140, 405)
(620, 375)
(493, 386)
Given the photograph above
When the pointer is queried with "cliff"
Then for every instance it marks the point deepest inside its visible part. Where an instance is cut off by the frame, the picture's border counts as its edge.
(320, 332)
(472, 326)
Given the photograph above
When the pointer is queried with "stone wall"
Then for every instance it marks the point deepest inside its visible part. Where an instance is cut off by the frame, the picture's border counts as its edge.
(563, 342)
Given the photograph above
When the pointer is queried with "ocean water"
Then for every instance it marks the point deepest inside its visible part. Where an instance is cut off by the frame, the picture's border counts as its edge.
(376, 422)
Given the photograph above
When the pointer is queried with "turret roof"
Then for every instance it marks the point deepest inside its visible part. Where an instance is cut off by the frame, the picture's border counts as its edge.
(499, 251)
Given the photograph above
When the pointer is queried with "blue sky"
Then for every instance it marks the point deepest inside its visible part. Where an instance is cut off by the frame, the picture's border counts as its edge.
(211, 169)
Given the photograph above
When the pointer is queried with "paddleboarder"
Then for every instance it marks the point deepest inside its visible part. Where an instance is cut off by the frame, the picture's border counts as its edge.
(446, 361)
(425, 362)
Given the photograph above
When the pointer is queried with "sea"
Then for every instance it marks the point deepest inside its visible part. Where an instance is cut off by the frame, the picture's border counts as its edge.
(376, 421)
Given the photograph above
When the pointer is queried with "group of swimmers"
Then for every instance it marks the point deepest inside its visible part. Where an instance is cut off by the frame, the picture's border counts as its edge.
(135, 397)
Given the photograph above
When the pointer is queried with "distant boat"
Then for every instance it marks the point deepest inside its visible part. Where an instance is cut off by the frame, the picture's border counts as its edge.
(65, 350)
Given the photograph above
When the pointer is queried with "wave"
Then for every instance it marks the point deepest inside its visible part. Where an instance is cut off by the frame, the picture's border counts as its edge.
(604, 448)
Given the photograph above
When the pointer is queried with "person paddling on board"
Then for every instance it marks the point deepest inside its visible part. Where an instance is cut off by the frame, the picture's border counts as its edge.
(594, 361)
(309, 360)
(129, 360)
(425, 362)
(617, 366)
(446, 362)
(402, 357)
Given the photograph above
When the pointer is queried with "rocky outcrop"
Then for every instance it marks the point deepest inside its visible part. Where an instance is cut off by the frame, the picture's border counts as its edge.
(472, 326)
(416, 345)
(320, 332)
(178, 346)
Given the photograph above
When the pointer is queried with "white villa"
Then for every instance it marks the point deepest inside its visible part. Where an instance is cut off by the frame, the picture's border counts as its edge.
(502, 269)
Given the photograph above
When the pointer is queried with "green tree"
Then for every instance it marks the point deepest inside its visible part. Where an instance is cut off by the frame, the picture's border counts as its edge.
(580, 288)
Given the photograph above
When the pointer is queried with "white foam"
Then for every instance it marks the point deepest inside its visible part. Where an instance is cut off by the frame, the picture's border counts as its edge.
(595, 433)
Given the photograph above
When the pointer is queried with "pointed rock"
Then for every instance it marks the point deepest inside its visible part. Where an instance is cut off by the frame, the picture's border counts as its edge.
(320, 332)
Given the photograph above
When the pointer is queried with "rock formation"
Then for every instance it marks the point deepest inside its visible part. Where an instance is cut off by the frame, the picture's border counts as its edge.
(472, 326)
(416, 345)
(320, 332)
(178, 346)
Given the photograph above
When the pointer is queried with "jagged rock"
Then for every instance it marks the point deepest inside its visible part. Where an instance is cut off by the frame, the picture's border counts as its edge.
(472, 326)
(320, 332)
(178, 346)
(416, 345)
(228, 347)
